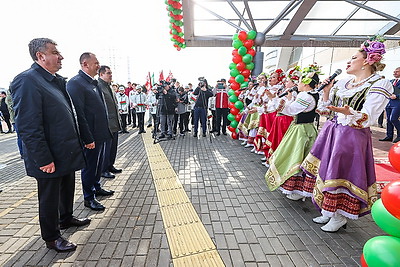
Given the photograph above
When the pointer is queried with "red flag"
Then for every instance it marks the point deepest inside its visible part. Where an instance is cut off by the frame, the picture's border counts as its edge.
(170, 76)
(161, 76)
(148, 82)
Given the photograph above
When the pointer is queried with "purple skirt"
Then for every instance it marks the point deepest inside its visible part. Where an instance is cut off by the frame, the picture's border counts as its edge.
(341, 160)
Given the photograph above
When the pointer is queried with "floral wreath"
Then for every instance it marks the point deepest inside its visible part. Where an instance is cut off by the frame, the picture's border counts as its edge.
(294, 74)
(281, 74)
(374, 48)
(308, 72)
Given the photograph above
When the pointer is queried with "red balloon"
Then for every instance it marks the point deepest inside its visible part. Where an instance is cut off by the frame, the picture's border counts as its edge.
(241, 66)
(251, 52)
(246, 79)
(235, 52)
(235, 86)
(235, 111)
(231, 105)
(231, 129)
(391, 198)
(246, 73)
(242, 35)
(236, 59)
(394, 156)
(237, 92)
(238, 117)
(231, 79)
(234, 135)
(363, 262)
(248, 43)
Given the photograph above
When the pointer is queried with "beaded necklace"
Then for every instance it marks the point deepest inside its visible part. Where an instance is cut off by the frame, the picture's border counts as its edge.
(353, 84)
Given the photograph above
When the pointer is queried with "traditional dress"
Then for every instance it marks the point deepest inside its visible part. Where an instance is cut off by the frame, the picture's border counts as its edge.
(284, 171)
(341, 159)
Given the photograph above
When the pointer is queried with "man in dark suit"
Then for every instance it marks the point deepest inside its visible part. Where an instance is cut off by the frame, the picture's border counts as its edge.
(114, 122)
(93, 126)
(393, 110)
(52, 150)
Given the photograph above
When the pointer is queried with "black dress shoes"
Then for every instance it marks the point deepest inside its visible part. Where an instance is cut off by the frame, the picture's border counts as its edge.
(204, 135)
(61, 245)
(107, 175)
(224, 133)
(75, 222)
(94, 205)
(218, 134)
(386, 139)
(115, 170)
(397, 139)
(103, 192)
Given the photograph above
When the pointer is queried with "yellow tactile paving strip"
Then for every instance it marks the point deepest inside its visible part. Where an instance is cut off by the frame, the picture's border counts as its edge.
(188, 239)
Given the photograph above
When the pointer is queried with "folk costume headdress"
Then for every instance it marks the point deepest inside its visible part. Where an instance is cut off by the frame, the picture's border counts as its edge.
(374, 48)
(309, 75)
(294, 74)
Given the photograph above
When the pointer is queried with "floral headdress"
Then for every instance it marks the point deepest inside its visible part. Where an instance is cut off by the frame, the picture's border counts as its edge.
(374, 48)
(281, 74)
(308, 73)
(294, 74)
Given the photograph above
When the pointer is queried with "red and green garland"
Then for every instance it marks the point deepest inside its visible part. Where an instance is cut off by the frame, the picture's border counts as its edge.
(240, 71)
(174, 8)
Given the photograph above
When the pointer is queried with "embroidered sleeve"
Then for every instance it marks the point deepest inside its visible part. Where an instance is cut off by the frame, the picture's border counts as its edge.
(303, 102)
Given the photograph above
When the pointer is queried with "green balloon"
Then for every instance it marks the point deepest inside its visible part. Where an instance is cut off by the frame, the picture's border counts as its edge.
(174, 32)
(235, 37)
(181, 34)
(234, 124)
(251, 34)
(234, 72)
(382, 251)
(386, 221)
(231, 117)
(247, 58)
(233, 98)
(250, 66)
(237, 43)
(184, 46)
(232, 66)
(244, 84)
(170, 8)
(239, 78)
(242, 50)
(231, 92)
(239, 104)
(172, 20)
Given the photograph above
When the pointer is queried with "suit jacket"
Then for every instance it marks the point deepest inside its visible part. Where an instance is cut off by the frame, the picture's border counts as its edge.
(114, 120)
(396, 91)
(46, 123)
(90, 108)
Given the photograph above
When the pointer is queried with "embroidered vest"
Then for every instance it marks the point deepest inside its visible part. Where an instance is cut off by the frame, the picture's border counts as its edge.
(307, 117)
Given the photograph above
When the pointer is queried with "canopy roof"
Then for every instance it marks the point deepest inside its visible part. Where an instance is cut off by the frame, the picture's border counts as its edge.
(294, 23)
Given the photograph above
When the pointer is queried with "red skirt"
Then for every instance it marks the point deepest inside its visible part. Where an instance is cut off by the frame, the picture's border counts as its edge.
(278, 130)
(264, 128)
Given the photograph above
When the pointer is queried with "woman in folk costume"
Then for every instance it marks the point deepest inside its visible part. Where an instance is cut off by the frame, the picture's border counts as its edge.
(282, 121)
(275, 82)
(251, 123)
(341, 159)
(284, 171)
(246, 96)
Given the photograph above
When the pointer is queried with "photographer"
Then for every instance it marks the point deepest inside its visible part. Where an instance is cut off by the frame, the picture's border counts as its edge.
(167, 104)
(221, 106)
(200, 107)
(181, 114)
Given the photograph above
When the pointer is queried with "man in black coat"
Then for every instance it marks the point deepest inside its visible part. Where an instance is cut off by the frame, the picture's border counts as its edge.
(4, 112)
(52, 150)
(93, 126)
(167, 99)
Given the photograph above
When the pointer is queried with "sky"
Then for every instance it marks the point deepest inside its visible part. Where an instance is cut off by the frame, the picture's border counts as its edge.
(132, 37)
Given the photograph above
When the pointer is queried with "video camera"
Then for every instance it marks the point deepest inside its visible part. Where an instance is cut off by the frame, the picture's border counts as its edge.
(202, 82)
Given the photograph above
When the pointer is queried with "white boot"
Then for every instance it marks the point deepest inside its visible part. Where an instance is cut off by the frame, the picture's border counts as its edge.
(265, 164)
(335, 223)
(243, 143)
(264, 159)
(295, 197)
(253, 150)
(249, 145)
(321, 219)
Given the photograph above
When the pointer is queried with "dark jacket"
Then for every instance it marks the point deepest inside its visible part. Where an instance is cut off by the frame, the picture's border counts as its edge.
(46, 123)
(168, 102)
(90, 108)
(202, 97)
(114, 120)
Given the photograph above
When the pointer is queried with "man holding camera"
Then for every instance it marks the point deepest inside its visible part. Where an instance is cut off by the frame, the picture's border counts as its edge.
(167, 104)
(221, 106)
(200, 107)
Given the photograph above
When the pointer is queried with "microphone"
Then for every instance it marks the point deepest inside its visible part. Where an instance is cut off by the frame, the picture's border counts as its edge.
(330, 79)
(293, 89)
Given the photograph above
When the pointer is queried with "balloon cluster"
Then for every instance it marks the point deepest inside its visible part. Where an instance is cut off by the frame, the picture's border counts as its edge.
(240, 71)
(174, 8)
(384, 250)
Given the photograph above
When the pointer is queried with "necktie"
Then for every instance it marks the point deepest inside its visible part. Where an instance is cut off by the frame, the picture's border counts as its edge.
(395, 81)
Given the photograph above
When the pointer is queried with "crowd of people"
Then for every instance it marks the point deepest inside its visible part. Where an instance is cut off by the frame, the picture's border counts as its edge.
(77, 123)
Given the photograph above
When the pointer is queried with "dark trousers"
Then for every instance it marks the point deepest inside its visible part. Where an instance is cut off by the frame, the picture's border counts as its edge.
(176, 121)
(392, 114)
(380, 119)
(214, 120)
(187, 121)
(56, 201)
(8, 122)
(222, 115)
(140, 121)
(110, 152)
(91, 174)
(123, 121)
(200, 114)
(183, 122)
(132, 115)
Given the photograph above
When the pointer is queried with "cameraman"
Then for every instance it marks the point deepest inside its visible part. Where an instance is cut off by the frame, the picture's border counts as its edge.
(221, 106)
(167, 104)
(203, 93)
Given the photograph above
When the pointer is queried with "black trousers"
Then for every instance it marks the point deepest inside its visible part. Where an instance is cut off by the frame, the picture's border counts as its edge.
(123, 121)
(132, 117)
(222, 115)
(140, 121)
(56, 201)
(90, 175)
(8, 122)
(110, 152)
